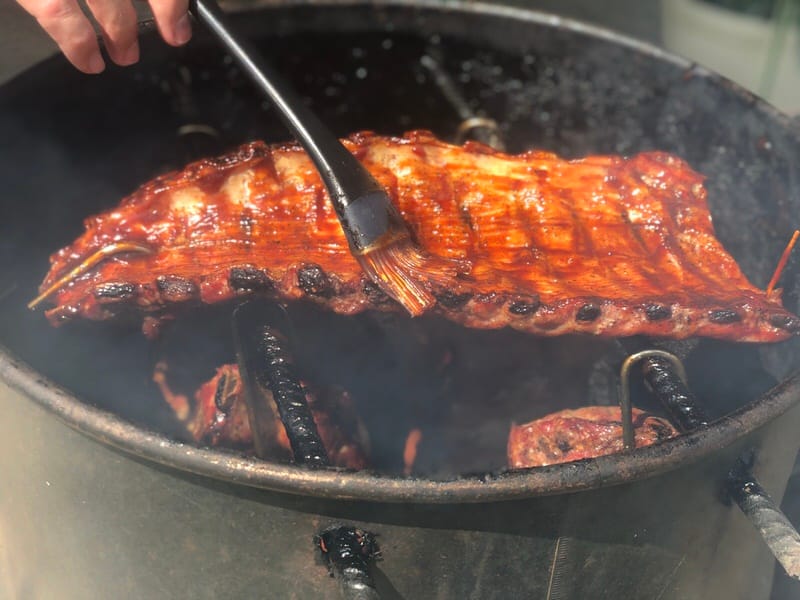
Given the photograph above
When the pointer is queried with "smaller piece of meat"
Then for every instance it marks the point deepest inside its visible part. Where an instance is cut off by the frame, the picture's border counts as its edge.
(574, 434)
(219, 417)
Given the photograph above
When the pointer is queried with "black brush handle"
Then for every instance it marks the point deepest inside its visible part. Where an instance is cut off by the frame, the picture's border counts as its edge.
(364, 209)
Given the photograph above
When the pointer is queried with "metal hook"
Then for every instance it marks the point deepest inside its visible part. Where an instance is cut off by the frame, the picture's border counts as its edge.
(628, 438)
(490, 125)
(488, 131)
(198, 128)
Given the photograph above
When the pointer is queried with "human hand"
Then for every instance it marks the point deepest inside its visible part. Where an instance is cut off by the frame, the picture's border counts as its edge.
(64, 21)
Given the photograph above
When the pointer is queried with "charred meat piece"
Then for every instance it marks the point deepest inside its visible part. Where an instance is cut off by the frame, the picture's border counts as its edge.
(604, 245)
(219, 417)
(574, 434)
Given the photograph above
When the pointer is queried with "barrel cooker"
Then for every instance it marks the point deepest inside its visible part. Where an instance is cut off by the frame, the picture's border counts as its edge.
(148, 514)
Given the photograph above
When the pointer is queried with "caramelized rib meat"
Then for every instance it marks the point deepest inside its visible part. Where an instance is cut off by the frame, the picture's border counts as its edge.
(219, 417)
(604, 245)
(585, 432)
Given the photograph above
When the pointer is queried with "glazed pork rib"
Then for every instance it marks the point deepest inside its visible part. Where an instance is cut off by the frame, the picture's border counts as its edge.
(604, 245)
(217, 416)
(575, 434)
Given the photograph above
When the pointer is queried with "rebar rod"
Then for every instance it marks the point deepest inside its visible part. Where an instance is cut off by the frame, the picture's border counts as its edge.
(779, 534)
(673, 393)
(349, 554)
(264, 362)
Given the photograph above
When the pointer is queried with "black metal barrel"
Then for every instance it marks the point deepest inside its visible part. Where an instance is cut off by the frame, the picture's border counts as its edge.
(143, 513)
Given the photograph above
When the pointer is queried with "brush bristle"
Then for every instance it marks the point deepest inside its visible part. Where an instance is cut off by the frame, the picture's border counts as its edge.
(405, 273)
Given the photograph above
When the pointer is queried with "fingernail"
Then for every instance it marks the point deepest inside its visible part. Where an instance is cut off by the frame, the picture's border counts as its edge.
(96, 63)
(131, 55)
(183, 30)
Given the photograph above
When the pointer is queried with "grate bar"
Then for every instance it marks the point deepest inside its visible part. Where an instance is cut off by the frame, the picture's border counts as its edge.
(779, 534)
(349, 554)
(673, 393)
(265, 364)
(664, 373)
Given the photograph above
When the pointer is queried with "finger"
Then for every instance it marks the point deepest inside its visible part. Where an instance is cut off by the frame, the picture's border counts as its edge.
(70, 29)
(172, 17)
(117, 21)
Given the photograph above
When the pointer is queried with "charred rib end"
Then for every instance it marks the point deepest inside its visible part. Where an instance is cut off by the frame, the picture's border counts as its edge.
(788, 323)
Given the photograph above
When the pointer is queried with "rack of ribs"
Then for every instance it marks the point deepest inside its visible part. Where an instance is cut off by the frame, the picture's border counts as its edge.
(603, 245)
